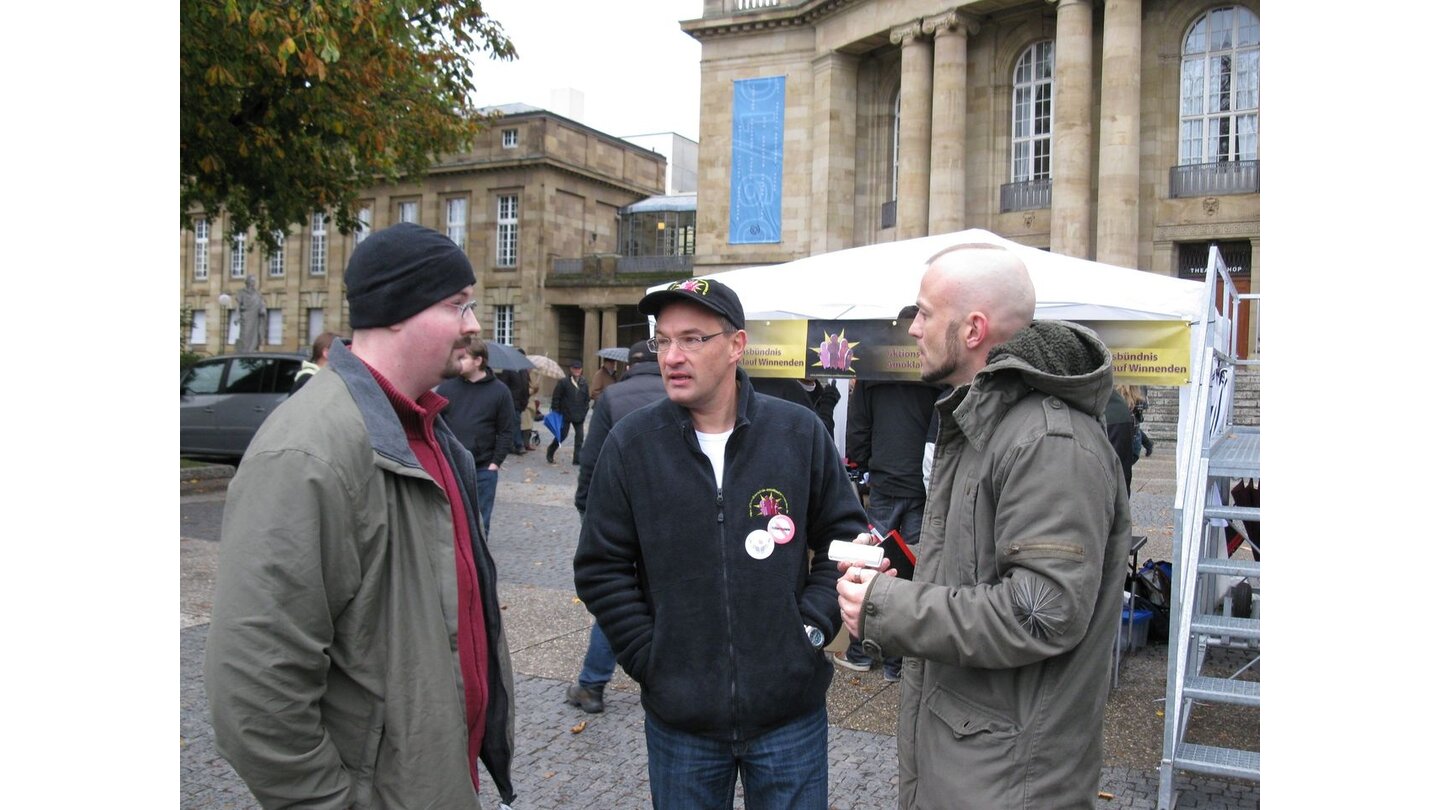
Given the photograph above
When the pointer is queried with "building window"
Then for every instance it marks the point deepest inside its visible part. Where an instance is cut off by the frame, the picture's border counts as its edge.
(277, 256)
(202, 249)
(1220, 88)
(237, 256)
(314, 323)
(409, 211)
(507, 230)
(505, 324)
(1033, 95)
(455, 220)
(274, 321)
(232, 330)
(197, 326)
(317, 244)
(509, 138)
(366, 219)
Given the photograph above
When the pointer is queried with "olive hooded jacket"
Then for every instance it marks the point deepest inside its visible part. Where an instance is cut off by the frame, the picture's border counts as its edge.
(1008, 625)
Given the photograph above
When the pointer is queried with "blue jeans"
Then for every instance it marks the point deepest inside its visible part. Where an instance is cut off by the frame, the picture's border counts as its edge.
(784, 768)
(599, 664)
(485, 482)
(891, 512)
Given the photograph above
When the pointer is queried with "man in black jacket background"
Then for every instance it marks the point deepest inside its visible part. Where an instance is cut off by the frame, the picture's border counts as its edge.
(571, 400)
(481, 413)
(640, 386)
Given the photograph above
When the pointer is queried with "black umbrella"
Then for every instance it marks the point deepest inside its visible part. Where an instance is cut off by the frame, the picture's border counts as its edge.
(506, 358)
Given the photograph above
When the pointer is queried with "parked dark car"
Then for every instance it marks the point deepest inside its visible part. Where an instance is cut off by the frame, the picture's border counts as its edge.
(224, 399)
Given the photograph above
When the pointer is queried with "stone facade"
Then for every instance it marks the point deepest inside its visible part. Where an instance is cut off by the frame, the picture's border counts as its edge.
(950, 70)
(569, 183)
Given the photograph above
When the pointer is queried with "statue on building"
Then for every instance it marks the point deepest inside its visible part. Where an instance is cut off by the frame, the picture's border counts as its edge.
(252, 317)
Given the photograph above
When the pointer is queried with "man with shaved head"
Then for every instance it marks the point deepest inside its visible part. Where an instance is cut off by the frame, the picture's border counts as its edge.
(1007, 627)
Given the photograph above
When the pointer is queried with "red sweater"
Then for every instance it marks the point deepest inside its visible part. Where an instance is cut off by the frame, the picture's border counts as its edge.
(418, 419)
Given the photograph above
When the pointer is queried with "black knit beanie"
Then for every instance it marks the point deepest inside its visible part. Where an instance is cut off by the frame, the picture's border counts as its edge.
(401, 270)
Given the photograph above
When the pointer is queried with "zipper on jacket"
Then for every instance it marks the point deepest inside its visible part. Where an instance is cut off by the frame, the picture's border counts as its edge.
(729, 616)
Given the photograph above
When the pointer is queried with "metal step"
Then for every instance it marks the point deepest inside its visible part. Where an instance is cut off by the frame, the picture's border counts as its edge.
(1218, 761)
(1223, 690)
(1233, 512)
(1209, 624)
(1236, 454)
(1230, 567)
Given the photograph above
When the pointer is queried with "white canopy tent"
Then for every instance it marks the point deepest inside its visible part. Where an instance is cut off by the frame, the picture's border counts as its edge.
(876, 281)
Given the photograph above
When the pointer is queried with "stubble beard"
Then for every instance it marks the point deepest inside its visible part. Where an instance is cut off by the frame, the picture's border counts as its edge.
(951, 364)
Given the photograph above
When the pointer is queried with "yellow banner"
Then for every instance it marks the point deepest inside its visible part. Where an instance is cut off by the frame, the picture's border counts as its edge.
(1147, 352)
(1144, 352)
(775, 349)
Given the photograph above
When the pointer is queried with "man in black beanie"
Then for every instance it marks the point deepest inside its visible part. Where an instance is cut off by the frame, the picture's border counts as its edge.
(355, 595)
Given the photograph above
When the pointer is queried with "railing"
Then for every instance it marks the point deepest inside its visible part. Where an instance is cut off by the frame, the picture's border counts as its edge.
(887, 214)
(1224, 177)
(567, 267)
(654, 264)
(1025, 195)
(751, 5)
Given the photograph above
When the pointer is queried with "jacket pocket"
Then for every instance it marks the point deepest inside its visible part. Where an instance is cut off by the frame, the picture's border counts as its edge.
(964, 718)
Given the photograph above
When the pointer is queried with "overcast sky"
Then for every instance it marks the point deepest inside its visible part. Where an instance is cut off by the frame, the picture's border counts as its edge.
(638, 72)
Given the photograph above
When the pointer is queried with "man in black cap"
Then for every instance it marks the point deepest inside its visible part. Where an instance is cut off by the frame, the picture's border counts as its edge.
(356, 656)
(571, 400)
(640, 386)
(694, 557)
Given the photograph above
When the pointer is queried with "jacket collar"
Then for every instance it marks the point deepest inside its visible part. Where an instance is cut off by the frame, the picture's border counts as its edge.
(745, 405)
(387, 435)
(976, 408)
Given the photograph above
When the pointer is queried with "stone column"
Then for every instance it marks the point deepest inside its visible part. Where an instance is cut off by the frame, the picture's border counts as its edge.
(1071, 142)
(589, 339)
(947, 129)
(912, 199)
(609, 333)
(1117, 223)
(832, 150)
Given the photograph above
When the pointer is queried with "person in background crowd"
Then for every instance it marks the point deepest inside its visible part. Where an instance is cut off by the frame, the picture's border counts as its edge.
(319, 356)
(482, 415)
(604, 377)
(571, 399)
(640, 386)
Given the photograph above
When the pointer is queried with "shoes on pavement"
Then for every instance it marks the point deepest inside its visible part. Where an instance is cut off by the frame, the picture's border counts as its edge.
(842, 659)
(590, 701)
(892, 676)
(550, 454)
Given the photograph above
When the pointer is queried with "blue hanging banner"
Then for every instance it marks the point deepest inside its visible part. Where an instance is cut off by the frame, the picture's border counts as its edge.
(757, 150)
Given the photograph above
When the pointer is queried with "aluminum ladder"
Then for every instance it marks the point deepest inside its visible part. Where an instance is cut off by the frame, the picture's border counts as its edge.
(1213, 452)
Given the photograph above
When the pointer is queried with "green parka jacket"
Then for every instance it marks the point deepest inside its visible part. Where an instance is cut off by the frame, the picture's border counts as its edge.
(1008, 625)
(330, 666)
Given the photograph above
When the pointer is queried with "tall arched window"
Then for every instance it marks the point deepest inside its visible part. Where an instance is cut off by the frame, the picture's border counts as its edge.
(1220, 88)
(1031, 115)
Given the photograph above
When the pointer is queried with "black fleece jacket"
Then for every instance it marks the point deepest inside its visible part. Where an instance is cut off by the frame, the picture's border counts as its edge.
(714, 636)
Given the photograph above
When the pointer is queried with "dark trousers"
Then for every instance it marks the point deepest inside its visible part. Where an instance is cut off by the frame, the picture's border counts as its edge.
(565, 431)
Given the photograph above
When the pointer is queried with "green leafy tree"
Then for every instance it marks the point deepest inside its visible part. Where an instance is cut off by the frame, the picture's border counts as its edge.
(287, 108)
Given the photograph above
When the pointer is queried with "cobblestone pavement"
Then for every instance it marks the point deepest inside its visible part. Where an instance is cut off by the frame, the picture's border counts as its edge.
(560, 765)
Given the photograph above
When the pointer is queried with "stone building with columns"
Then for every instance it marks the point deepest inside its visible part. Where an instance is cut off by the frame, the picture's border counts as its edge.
(537, 205)
(1116, 130)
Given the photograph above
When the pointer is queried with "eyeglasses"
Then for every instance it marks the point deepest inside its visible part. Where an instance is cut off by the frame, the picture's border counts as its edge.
(686, 343)
(468, 306)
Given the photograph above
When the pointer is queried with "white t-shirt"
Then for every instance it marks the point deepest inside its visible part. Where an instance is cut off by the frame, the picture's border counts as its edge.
(713, 446)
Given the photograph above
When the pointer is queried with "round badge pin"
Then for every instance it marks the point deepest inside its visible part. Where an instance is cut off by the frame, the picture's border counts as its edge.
(781, 528)
(758, 544)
